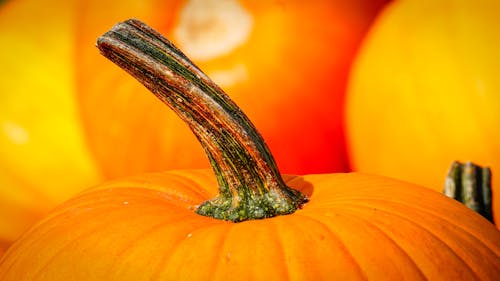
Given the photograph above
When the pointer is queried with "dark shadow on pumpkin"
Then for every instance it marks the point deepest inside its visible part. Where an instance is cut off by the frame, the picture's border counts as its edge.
(4, 244)
(300, 184)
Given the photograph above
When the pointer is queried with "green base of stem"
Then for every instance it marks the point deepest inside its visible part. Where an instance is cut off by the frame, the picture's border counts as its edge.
(254, 207)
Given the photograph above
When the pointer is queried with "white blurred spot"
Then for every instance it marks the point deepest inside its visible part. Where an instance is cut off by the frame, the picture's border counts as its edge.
(230, 76)
(15, 132)
(480, 89)
(212, 28)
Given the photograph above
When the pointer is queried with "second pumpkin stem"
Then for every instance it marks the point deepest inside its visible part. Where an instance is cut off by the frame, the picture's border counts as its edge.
(470, 184)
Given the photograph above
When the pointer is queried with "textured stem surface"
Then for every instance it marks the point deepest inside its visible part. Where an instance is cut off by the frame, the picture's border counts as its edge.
(470, 184)
(250, 184)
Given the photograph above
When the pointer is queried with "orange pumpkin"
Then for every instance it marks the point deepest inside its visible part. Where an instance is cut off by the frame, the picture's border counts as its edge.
(354, 227)
(89, 125)
(3, 247)
(424, 92)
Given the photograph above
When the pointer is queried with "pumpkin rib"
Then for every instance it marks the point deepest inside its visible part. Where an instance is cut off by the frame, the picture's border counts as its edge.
(408, 203)
(473, 239)
(191, 182)
(174, 244)
(103, 226)
(289, 225)
(278, 242)
(379, 230)
(74, 241)
(104, 202)
(431, 233)
(181, 200)
(136, 240)
(339, 241)
(198, 178)
(365, 222)
(220, 246)
(165, 260)
(106, 207)
(195, 186)
(191, 190)
(442, 216)
(40, 236)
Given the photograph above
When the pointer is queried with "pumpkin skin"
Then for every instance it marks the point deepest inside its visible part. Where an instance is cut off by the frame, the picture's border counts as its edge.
(428, 72)
(90, 125)
(355, 226)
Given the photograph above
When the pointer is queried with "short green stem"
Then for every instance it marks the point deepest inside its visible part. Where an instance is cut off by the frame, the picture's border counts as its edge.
(470, 184)
(250, 184)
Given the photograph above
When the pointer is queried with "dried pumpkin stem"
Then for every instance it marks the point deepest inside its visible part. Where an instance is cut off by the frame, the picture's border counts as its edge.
(250, 184)
(470, 184)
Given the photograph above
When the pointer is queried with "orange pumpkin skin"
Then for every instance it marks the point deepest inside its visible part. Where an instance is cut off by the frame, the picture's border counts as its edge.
(3, 247)
(424, 92)
(309, 137)
(355, 226)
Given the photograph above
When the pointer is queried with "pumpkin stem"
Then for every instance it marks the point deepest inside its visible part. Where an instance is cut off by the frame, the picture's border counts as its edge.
(250, 184)
(470, 184)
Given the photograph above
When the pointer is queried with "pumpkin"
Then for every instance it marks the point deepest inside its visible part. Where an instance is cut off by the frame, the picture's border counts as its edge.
(43, 156)
(3, 247)
(261, 225)
(428, 72)
(92, 125)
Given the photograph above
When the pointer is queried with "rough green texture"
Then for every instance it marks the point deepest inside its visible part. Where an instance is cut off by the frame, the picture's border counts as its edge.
(250, 184)
(252, 206)
(471, 185)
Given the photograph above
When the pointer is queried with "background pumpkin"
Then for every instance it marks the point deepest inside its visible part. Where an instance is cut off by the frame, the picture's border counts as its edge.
(43, 155)
(424, 92)
(145, 227)
(251, 49)
(65, 125)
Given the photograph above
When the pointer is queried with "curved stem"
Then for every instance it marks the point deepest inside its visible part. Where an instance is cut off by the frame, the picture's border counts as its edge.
(250, 184)
(470, 184)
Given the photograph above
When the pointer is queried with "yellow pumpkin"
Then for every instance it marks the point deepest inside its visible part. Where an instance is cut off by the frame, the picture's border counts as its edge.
(424, 92)
(353, 227)
(65, 126)
(40, 133)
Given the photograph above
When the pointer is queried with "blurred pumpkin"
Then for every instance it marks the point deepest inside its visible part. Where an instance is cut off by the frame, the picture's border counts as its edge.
(145, 227)
(67, 121)
(43, 155)
(424, 92)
